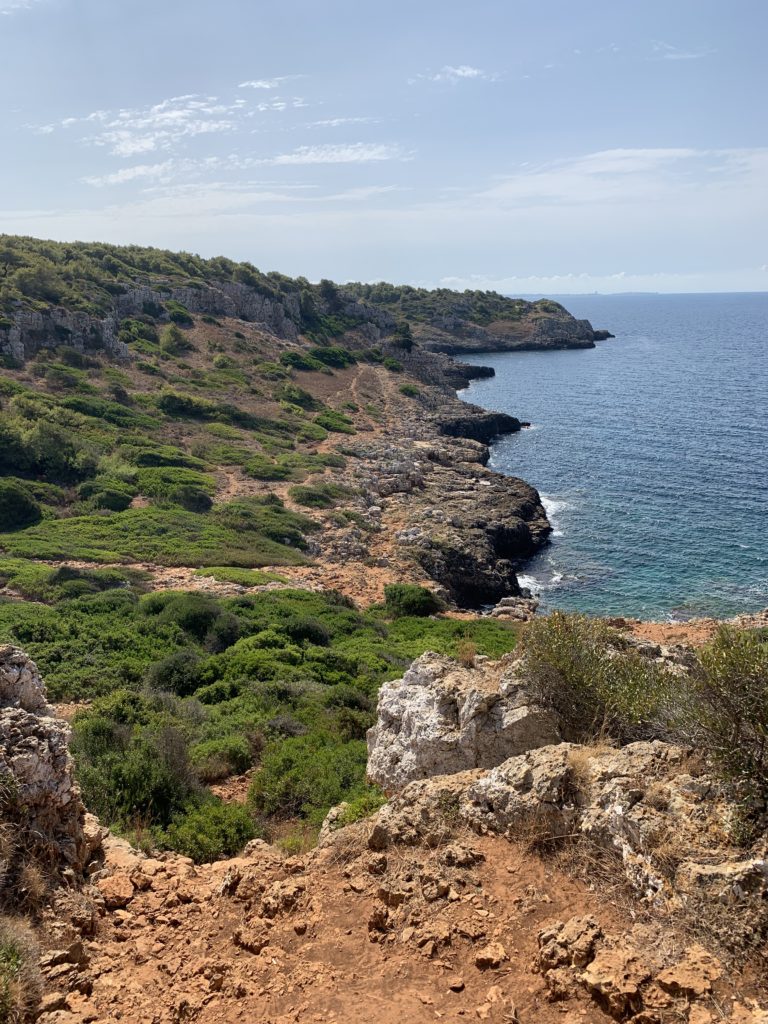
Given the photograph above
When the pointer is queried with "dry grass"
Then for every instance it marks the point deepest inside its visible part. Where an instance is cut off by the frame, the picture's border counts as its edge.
(20, 981)
(466, 652)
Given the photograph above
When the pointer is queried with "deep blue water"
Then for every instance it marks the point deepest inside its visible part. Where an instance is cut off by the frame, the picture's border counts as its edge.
(651, 454)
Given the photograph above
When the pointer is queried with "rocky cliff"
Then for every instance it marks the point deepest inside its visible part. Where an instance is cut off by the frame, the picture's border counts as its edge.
(39, 794)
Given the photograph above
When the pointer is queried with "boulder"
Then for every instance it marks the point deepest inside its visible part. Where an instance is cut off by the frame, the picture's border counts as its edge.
(442, 718)
(37, 768)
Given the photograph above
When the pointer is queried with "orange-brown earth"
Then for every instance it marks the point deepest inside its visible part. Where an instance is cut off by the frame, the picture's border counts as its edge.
(348, 934)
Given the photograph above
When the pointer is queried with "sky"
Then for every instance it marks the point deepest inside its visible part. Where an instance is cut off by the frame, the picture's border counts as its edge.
(526, 146)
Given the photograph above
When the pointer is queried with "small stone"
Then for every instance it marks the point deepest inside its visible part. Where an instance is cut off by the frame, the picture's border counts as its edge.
(117, 890)
(490, 957)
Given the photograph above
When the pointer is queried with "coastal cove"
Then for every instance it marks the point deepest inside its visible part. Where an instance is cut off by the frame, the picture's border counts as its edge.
(649, 452)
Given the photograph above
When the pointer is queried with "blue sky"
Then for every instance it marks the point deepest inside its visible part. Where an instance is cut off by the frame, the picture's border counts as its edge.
(523, 145)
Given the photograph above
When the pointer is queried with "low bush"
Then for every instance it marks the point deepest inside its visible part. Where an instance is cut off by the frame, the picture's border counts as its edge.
(17, 507)
(323, 495)
(726, 714)
(214, 760)
(332, 355)
(407, 599)
(173, 341)
(178, 314)
(337, 422)
(305, 775)
(210, 830)
(583, 670)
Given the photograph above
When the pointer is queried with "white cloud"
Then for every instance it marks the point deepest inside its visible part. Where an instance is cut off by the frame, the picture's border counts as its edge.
(268, 83)
(12, 6)
(621, 176)
(353, 153)
(164, 170)
(665, 51)
(586, 283)
(338, 122)
(455, 73)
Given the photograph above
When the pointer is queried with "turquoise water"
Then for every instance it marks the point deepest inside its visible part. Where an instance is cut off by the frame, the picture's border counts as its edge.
(651, 454)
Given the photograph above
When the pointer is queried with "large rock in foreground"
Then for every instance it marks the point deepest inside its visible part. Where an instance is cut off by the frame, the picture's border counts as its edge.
(442, 718)
(41, 798)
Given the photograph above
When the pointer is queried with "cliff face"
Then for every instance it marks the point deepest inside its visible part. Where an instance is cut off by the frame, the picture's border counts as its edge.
(556, 329)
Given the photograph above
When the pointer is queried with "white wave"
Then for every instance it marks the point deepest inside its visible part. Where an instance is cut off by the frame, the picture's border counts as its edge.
(530, 583)
(553, 506)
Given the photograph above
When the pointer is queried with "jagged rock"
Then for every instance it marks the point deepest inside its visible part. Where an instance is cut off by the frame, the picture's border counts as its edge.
(442, 718)
(117, 890)
(693, 975)
(615, 977)
(426, 811)
(331, 823)
(517, 609)
(490, 957)
(728, 882)
(568, 945)
(37, 767)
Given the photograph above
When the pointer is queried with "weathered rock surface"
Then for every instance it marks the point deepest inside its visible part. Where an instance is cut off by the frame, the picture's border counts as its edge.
(644, 804)
(442, 718)
(37, 771)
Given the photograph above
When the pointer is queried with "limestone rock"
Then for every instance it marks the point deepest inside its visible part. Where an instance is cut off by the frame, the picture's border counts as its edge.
(34, 756)
(442, 718)
(693, 975)
(615, 977)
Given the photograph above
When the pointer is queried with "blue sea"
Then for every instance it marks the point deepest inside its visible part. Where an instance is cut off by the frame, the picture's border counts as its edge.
(651, 455)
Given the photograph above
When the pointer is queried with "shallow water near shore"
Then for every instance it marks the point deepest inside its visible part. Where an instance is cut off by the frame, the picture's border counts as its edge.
(651, 455)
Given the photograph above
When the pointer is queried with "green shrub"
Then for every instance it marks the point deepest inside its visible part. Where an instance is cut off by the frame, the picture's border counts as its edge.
(209, 831)
(407, 599)
(304, 775)
(330, 419)
(173, 341)
(596, 684)
(323, 495)
(296, 396)
(17, 507)
(332, 356)
(218, 759)
(128, 776)
(178, 314)
(301, 361)
(409, 390)
(262, 468)
(393, 365)
(179, 673)
(726, 713)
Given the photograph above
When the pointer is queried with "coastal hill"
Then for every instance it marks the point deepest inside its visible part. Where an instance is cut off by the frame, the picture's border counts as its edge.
(285, 759)
(81, 292)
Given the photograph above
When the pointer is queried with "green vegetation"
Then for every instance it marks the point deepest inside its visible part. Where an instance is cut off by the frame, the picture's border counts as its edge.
(17, 506)
(407, 599)
(248, 533)
(322, 495)
(421, 305)
(188, 689)
(335, 421)
(601, 686)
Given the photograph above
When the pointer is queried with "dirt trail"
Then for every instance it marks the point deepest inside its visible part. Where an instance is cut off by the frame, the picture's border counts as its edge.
(195, 944)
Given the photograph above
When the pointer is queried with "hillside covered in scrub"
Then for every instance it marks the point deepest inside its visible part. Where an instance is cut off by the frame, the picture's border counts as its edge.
(214, 486)
(80, 291)
(251, 551)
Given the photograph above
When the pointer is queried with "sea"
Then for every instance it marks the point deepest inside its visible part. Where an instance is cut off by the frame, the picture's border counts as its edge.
(650, 453)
